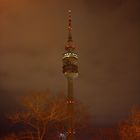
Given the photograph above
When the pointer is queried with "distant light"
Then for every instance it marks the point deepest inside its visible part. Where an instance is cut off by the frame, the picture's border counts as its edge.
(63, 136)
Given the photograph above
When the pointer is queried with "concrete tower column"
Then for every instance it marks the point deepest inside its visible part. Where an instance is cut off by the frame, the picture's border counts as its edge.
(70, 70)
(70, 106)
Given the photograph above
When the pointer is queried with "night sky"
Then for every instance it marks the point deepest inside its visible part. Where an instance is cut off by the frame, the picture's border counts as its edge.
(33, 34)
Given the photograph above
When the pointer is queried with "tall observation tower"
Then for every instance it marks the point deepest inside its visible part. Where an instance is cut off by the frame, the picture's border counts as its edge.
(70, 70)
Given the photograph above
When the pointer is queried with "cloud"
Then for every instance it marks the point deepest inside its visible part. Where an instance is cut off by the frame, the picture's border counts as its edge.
(106, 34)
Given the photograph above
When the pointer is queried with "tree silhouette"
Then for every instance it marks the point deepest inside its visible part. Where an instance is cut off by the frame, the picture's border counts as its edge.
(130, 128)
(43, 112)
(40, 111)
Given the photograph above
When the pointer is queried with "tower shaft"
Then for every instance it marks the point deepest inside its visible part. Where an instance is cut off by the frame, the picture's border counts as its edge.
(70, 107)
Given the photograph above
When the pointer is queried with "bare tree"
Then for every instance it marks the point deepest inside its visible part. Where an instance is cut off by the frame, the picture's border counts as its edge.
(40, 110)
(130, 128)
(43, 111)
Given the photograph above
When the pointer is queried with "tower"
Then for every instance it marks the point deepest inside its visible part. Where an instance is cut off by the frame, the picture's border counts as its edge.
(70, 70)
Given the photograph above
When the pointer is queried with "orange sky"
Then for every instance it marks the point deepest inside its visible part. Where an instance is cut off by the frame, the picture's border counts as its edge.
(32, 39)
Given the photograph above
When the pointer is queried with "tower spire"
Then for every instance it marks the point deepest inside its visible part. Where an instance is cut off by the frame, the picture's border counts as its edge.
(69, 46)
(69, 27)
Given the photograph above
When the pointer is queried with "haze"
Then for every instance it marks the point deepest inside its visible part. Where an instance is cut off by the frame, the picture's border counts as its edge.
(33, 34)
